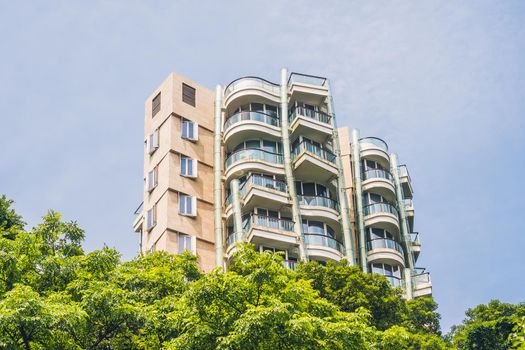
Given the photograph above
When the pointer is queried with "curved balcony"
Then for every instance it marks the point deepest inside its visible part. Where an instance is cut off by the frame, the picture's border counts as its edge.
(310, 123)
(255, 159)
(385, 250)
(313, 161)
(379, 181)
(249, 86)
(382, 215)
(323, 247)
(261, 229)
(260, 191)
(317, 207)
(374, 148)
(246, 125)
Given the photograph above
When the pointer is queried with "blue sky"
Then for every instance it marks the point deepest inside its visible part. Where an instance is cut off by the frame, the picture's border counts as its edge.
(442, 82)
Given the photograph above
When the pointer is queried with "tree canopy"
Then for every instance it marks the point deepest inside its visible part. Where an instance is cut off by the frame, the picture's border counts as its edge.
(53, 295)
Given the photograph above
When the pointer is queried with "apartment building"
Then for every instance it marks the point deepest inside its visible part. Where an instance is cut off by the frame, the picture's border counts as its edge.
(266, 163)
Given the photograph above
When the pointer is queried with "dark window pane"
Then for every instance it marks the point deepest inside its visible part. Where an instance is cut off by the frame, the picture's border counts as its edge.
(155, 104)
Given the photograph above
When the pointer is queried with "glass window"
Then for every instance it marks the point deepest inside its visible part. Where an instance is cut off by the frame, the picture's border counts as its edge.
(270, 146)
(298, 188)
(151, 218)
(322, 191)
(184, 243)
(189, 130)
(272, 110)
(308, 188)
(257, 107)
(153, 142)
(186, 206)
(152, 179)
(253, 144)
(187, 166)
(316, 227)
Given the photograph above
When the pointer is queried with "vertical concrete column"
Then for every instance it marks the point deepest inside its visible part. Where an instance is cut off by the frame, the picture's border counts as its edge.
(217, 180)
(237, 216)
(356, 158)
(290, 181)
(409, 258)
(343, 200)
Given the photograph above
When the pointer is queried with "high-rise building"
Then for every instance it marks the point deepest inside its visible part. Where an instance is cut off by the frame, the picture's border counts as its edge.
(265, 163)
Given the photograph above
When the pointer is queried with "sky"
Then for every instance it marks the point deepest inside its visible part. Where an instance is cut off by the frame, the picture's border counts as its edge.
(442, 82)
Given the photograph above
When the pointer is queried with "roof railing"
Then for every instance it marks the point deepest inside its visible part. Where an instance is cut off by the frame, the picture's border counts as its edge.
(306, 79)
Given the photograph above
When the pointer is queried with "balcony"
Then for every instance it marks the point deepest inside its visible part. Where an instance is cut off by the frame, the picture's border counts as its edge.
(317, 207)
(409, 212)
(250, 125)
(415, 244)
(323, 247)
(385, 250)
(308, 88)
(260, 191)
(379, 181)
(374, 148)
(313, 161)
(310, 123)
(255, 159)
(261, 229)
(382, 215)
(139, 218)
(242, 89)
(421, 283)
(406, 181)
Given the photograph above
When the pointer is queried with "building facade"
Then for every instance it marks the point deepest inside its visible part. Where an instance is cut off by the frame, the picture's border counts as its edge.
(266, 163)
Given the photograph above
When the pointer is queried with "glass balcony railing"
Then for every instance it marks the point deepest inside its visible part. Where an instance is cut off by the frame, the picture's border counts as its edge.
(376, 141)
(408, 203)
(251, 82)
(253, 154)
(376, 174)
(316, 115)
(403, 172)
(414, 238)
(380, 243)
(255, 116)
(317, 151)
(318, 201)
(271, 222)
(379, 208)
(306, 79)
(421, 278)
(258, 180)
(323, 240)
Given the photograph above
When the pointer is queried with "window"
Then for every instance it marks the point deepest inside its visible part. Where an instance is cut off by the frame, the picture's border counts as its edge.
(188, 166)
(185, 243)
(155, 105)
(188, 94)
(153, 141)
(152, 179)
(187, 205)
(151, 217)
(190, 130)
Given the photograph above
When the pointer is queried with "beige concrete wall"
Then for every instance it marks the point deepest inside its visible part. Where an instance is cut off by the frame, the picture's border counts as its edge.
(164, 236)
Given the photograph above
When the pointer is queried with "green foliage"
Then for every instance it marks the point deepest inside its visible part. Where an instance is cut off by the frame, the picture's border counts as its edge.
(490, 327)
(55, 296)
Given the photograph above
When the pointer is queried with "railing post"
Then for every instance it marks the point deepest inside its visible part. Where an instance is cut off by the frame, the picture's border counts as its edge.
(356, 158)
(217, 181)
(341, 186)
(296, 211)
(404, 227)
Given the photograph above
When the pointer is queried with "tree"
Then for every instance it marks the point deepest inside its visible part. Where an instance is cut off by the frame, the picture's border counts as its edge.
(488, 326)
